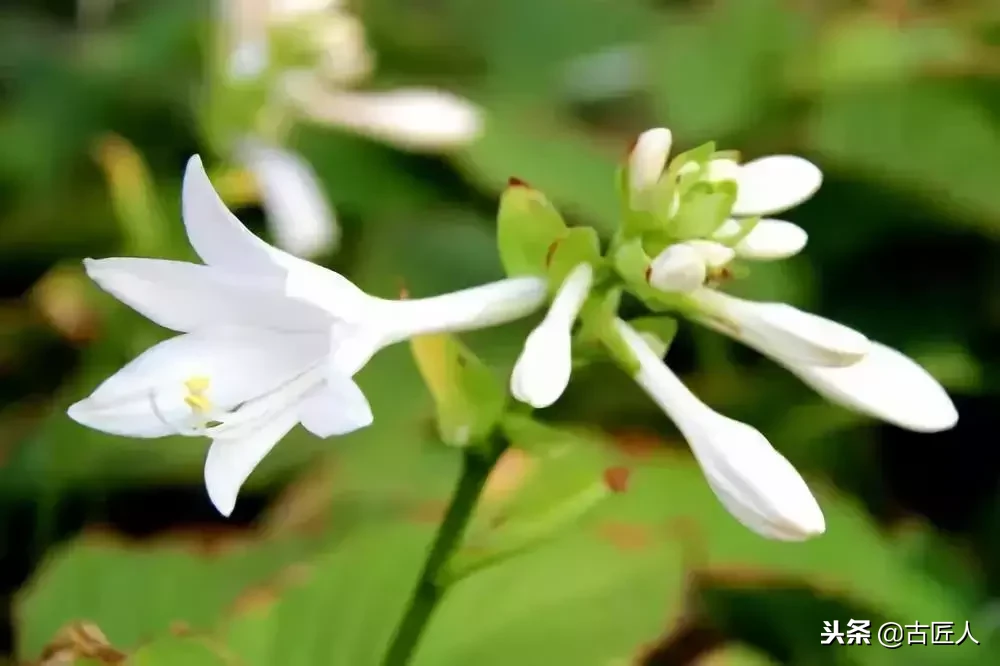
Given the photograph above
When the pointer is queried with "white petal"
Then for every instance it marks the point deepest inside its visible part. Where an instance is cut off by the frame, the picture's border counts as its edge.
(678, 268)
(723, 170)
(337, 408)
(715, 254)
(543, 369)
(414, 119)
(146, 397)
(218, 237)
(888, 385)
(469, 309)
(786, 334)
(769, 239)
(288, 10)
(296, 205)
(752, 480)
(647, 160)
(776, 183)
(571, 295)
(188, 297)
(230, 461)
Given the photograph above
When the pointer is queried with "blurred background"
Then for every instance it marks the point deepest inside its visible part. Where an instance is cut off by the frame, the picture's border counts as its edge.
(409, 117)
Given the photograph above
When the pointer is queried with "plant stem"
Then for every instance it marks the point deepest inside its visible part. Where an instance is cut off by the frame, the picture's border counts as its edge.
(476, 468)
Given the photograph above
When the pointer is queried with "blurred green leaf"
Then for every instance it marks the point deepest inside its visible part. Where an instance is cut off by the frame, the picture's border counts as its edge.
(575, 173)
(933, 140)
(179, 652)
(345, 609)
(718, 71)
(136, 593)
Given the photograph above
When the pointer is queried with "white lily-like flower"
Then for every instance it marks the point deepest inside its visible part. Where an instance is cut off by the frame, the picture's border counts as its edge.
(267, 341)
(838, 362)
(758, 485)
(300, 217)
(542, 371)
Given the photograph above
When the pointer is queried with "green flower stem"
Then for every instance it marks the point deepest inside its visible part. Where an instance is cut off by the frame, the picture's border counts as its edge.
(476, 467)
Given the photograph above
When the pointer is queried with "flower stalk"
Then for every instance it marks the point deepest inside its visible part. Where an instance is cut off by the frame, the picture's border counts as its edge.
(476, 467)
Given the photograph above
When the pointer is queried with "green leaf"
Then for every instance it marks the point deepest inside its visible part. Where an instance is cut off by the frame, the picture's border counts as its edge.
(940, 144)
(718, 70)
(553, 156)
(583, 600)
(527, 227)
(343, 610)
(468, 398)
(178, 652)
(136, 593)
(580, 245)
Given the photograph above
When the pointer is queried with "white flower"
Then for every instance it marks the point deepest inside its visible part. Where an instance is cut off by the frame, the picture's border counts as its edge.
(769, 239)
(838, 362)
(420, 119)
(646, 163)
(267, 340)
(542, 371)
(769, 184)
(752, 480)
(683, 267)
(296, 206)
(781, 331)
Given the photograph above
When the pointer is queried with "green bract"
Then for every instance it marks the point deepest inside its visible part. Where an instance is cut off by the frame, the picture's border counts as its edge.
(527, 226)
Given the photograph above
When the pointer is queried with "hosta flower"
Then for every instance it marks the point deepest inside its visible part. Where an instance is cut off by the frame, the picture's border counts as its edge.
(420, 119)
(751, 479)
(542, 371)
(838, 362)
(298, 212)
(267, 340)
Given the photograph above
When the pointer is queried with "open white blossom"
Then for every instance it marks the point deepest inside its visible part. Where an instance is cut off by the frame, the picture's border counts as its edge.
(419, 119)
(267, 340)
(752, 480)
(542, 371)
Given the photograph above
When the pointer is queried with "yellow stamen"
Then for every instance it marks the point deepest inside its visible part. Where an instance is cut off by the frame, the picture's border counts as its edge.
(196, 398)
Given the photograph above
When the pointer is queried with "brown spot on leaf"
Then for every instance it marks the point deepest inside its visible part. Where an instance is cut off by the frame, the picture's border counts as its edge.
(616, 479)
(648, 273)
(638, 445)
(516, 182)
(80, 640)
(551, 252)
(430, 512)
(509, 474)
(625, 536)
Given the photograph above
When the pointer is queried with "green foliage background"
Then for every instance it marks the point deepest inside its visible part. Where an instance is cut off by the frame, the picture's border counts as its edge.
(897, 101)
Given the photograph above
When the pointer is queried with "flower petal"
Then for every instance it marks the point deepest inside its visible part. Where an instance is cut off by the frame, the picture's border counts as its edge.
(230, 461)
(678, 268)
(413, 119)
(776, 183)
(888, 385)
(188, 297)
(647, 160)
(296, 205)
(337, 408)
(769, 239)
(484, 306)
(751, 479)
(146, 398)
(786, 334)
(542, 371)
(218, 237)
